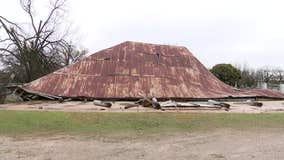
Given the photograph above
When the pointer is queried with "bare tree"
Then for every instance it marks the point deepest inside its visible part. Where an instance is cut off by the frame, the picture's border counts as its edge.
(248, 77)
(278, 74)
(264, 74)
(31, 52)
(70, 54)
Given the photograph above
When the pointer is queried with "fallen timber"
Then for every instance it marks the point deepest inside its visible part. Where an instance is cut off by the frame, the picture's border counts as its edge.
(251, 103)
(32, 95)
(102, 103)
(172, 105)
(130, 105)
(144, 101)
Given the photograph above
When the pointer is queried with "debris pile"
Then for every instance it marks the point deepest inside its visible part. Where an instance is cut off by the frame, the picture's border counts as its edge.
(251, 103)
(102, 103)
(123, 71)
(173, 105)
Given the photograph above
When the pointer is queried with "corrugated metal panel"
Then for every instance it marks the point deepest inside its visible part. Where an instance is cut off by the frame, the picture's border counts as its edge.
(132, 68)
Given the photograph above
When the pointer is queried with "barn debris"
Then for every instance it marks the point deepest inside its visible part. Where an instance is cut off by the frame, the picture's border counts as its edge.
(119, 106)
(158, 77)
(251, 103)
(210, 104)
(130, 105)
(124, 71)
(32, 95)
(221, 104)
(102, 103)
(145, 102)
(173, 105)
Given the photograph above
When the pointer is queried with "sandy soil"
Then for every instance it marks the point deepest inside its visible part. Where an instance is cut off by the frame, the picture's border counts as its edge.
(78, 106)
(217, 145)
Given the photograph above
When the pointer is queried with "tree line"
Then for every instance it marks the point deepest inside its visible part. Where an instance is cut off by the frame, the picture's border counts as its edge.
(245, 77)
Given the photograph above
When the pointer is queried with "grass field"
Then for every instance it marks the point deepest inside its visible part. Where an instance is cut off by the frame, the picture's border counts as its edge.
(65, 135)
(31, 122)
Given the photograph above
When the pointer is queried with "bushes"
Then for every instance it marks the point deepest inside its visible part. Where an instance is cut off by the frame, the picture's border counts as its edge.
(227, 73)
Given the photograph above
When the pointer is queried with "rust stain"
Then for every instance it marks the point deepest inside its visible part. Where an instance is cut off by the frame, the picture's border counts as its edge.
(131, 68)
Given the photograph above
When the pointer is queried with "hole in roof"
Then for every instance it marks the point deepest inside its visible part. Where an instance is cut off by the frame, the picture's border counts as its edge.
(107, 58)
(158, 57)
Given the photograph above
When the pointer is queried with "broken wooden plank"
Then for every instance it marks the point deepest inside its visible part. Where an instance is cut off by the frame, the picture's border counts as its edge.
(131, 106)
(187, 104)
(225, 105)
(65, 100)
(169, 103)
(47, 96)
(102, 103)
(146, 102)
(251, 103)
(191, 109)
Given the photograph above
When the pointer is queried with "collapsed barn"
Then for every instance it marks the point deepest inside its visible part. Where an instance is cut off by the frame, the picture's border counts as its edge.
(130, 70)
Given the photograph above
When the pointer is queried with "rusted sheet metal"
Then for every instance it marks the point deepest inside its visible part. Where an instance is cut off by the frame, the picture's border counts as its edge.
(130, 69)
(262, 93)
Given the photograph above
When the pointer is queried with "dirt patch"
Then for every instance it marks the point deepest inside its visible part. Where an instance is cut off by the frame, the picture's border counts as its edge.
(220, 144)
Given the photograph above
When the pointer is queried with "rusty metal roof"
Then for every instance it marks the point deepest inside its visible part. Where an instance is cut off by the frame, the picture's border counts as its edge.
(133, 68)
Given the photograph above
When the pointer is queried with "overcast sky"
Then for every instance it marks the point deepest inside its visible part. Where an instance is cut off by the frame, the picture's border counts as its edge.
(215, 31)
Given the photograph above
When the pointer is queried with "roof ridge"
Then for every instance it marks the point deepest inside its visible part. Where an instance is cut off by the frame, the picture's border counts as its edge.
(147, 43)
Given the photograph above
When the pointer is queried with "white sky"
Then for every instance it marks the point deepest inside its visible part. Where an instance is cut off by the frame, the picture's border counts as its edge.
(216, 31)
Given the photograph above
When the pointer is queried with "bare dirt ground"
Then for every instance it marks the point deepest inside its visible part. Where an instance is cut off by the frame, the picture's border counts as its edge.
(217, 145)
(79, 106)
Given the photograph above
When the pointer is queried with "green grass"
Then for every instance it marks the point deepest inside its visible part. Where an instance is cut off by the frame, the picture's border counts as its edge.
(31, 122)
